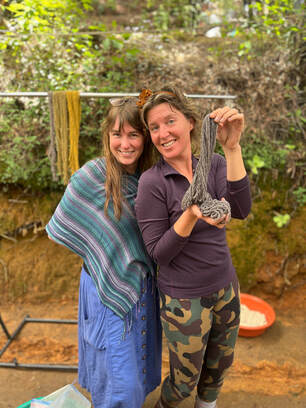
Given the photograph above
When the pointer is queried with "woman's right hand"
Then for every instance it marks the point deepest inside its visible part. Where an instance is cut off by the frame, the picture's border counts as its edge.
(230, 127)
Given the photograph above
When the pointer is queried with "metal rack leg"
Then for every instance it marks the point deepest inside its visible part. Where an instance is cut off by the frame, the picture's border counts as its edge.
(4, 328)
(15, 363)
(13, 336)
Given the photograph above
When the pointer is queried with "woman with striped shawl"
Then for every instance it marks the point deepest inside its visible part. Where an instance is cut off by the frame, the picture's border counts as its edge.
(119, 326)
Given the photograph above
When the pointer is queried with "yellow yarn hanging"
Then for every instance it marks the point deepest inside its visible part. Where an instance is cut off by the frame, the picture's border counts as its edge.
(61, 132)
(67, 111)
(74, 109)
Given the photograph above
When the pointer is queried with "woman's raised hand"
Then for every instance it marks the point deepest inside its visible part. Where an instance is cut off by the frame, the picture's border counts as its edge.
(230, 126)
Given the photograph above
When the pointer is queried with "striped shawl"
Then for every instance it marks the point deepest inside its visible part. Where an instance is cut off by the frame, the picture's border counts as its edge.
(112, 250)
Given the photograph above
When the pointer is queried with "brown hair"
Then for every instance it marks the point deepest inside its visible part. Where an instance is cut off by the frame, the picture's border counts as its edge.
(175, 98)
(127, 111)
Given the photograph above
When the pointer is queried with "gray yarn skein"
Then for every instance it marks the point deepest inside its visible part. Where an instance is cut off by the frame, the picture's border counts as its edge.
(197, 192)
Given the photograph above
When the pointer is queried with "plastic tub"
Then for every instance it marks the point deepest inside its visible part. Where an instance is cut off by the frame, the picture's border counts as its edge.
(255, 303)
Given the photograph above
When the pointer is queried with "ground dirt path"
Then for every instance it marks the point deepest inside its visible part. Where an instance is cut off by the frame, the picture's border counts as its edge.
(269, 370)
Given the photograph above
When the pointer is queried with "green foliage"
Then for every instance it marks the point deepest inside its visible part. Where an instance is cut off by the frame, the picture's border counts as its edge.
(24, 141)
(251, 239)
(21, 139)
(102, 7)
(46, 44)
(280, 20)
(263, 153)
(281, 220)
(300, 194)
(255, 163)
(31, 16)
(275, 163)
(169, 14)
(44, 49)
(47, 62)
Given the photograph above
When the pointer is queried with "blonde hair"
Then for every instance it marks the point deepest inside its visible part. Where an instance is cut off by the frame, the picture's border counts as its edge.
(127, 112)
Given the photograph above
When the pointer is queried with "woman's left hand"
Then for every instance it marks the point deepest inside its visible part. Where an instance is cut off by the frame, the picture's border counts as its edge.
(230, 126)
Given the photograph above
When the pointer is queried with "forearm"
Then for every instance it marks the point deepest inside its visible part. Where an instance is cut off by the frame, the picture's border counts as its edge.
(234, 163)
(185, 223)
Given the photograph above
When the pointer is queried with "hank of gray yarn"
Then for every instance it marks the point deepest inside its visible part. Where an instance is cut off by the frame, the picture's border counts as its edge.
(197, 192)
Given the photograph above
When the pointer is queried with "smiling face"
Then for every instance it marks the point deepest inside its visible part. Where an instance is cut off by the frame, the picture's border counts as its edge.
(170, 132)
(126, 145)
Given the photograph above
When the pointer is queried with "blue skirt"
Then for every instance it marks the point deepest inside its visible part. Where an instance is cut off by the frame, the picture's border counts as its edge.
(119, 368)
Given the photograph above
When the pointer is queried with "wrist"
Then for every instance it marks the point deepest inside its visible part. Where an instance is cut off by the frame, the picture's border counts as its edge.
(184, 225)
(193, 213)
(234, 150)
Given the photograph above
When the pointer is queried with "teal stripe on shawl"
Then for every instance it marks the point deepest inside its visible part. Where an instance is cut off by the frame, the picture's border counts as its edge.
(112, 250)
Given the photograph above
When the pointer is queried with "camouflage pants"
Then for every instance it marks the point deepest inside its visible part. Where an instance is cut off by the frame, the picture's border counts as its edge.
(201, 335)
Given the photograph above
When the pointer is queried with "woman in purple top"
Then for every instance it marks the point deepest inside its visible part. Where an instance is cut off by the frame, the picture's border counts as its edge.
(199, 290)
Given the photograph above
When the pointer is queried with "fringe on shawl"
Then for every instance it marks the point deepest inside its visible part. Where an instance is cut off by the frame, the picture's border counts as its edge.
(128, 320)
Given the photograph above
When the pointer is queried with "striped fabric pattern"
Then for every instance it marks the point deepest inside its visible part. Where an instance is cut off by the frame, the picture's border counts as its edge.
(111, 249)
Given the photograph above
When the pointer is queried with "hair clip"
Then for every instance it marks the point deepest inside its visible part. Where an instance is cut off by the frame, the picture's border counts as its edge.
(143, 97)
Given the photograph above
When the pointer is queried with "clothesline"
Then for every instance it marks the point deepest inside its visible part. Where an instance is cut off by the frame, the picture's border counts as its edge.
(105, 95)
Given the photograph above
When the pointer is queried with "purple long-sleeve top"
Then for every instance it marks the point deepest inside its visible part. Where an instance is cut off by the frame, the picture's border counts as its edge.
(199, 264)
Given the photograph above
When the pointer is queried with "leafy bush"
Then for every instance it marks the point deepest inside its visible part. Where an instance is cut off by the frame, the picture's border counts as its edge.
(25, 138)
(44, 50)
(281, 20)
(175, 14)
(22, 141)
